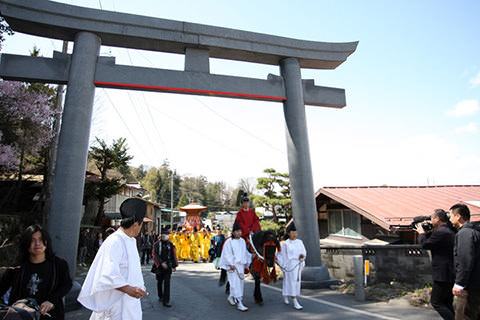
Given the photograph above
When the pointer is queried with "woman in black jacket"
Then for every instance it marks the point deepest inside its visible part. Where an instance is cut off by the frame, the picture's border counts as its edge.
(40, 275)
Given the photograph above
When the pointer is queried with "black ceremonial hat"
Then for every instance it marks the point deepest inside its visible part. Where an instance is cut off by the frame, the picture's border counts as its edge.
(134, 208)
(236, 226)
(291, 227)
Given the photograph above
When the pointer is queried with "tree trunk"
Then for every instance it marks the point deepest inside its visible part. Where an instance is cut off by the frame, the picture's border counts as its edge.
(18, 187)
(275, 219)
(101, 207)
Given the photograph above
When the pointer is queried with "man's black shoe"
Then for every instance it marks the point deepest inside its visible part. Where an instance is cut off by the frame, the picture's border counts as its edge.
(168, 305)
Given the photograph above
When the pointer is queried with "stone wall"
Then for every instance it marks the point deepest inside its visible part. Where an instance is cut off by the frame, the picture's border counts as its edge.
(404, 263)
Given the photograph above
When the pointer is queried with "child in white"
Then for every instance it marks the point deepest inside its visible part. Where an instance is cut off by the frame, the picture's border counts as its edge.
(235, 258)
(291, 258)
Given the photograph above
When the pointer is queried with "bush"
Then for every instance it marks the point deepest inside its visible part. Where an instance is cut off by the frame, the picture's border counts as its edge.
(420, 297)
(269, 225)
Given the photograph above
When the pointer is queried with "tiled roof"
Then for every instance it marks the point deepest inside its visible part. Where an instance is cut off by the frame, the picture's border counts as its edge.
(396, 206)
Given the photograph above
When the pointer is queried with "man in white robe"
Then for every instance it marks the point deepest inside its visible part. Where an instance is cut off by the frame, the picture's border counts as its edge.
(114, 283)
(291, 258)
(235, 258)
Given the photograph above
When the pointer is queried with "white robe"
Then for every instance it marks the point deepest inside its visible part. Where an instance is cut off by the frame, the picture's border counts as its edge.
(235, 253)
(287, 258)
(116, 264)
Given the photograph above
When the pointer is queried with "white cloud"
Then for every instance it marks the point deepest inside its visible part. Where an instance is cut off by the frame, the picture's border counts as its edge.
(464, 108)
(470, 128)
(475, 81)
(416, 160)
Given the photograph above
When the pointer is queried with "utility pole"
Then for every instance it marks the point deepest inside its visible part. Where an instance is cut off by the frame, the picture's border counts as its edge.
(54, 144)
(171, 204)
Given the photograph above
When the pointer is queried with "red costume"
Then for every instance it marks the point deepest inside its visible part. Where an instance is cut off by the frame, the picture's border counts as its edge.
(248, 221)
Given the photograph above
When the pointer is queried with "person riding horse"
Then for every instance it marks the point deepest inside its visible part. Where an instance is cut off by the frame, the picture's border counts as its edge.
(263, 244)
(248, 221)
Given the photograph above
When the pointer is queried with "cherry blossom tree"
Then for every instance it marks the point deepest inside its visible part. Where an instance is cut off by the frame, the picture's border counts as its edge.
(26, 117)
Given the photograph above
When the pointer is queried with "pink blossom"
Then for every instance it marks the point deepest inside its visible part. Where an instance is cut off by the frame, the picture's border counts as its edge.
(28, 118)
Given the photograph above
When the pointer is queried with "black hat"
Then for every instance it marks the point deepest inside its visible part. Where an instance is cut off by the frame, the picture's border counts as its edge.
(134, 208)
(236, 226)
(245, 197)
(291, 227)
(165, 231)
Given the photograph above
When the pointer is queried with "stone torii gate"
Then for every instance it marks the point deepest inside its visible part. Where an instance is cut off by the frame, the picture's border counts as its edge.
(85, 70)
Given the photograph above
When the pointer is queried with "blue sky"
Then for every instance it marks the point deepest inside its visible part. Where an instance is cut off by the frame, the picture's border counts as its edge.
(412, 88)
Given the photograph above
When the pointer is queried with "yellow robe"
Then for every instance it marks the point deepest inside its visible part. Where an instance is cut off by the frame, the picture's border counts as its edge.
(196, 243)
(206, 246)
(174, 241)
(184, 251)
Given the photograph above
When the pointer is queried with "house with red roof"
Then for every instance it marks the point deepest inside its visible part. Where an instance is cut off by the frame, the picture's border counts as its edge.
(355, 215)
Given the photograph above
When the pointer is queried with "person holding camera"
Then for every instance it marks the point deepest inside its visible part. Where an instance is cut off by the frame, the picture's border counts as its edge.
(440, 241)
(165, 262)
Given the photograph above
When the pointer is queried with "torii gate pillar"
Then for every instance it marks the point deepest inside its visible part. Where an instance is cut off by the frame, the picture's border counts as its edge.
(67, 196)
(315, 275)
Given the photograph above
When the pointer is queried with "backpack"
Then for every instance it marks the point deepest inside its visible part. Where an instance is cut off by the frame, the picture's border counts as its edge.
(25, 309)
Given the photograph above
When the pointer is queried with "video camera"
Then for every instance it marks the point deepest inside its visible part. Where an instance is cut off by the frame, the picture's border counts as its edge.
(427, 226)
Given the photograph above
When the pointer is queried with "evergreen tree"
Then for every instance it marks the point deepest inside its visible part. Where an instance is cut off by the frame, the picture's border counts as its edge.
(107, 158)
(276, 193)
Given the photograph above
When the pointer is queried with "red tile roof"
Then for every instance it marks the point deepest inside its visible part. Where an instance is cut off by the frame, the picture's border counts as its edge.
(394, 206)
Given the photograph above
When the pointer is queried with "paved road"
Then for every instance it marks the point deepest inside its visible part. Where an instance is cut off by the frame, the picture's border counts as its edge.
(195, 294)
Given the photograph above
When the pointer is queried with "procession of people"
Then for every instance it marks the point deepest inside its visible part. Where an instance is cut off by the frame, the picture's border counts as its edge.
(115, 276)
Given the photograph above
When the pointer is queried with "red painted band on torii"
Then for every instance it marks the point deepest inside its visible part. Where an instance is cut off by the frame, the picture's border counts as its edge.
(184, 90)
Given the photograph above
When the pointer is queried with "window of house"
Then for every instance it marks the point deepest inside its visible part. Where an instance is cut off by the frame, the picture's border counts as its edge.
(344, 223)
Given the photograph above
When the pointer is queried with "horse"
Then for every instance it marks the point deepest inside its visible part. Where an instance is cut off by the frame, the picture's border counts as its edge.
(264, 245)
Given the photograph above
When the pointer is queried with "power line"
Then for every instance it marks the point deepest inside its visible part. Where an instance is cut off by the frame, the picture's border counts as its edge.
(148, 109)
(154, 126)
(140, 119)
(238, 127)
(124, 123)
(197, 131)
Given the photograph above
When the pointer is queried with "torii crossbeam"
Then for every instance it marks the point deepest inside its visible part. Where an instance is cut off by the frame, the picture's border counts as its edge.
(85, 69)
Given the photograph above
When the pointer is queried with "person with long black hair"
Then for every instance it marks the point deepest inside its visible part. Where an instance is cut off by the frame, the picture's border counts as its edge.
(40, 274)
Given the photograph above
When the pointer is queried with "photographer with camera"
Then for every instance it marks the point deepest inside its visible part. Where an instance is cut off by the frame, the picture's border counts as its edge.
(439, 237)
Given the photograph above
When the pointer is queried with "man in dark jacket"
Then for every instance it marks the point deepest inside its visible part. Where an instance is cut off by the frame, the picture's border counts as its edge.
(467, 264)
(165, 262)
(146, 245)
(440, 242)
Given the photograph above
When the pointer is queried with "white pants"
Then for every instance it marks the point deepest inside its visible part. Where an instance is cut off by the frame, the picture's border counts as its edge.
(236, 284)
(291, 287)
